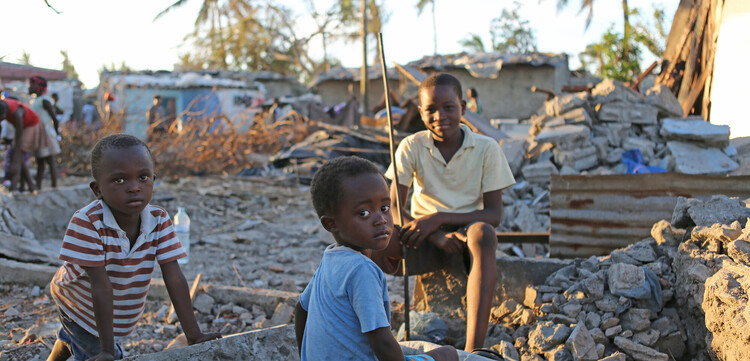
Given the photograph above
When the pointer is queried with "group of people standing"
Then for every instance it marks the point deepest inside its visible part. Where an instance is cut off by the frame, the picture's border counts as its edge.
(30, 130)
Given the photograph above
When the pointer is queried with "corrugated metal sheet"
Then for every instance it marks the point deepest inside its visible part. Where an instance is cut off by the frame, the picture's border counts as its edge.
(593, 215)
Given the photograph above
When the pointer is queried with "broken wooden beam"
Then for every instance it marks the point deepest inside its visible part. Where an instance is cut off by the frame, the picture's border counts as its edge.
(523, 237)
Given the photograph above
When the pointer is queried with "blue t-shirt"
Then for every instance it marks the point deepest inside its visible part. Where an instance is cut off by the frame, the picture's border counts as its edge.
(346, 298)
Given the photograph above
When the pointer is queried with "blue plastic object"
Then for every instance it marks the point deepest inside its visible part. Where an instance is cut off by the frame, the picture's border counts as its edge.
(636, 165)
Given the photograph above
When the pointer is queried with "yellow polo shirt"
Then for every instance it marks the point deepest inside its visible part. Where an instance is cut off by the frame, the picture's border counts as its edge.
(458, 186)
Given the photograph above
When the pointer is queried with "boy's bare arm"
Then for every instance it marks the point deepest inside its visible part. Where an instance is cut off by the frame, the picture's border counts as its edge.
(102, 298)
(51, 111)
(384, 345)
(179, 293)
(427, 227)
(300, 320)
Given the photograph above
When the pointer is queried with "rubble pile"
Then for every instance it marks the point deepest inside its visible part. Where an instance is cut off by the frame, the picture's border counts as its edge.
(589, 132)
(659, 299)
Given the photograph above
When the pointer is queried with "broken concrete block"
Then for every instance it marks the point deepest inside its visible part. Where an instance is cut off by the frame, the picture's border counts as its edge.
(617, 356)
(699, 131)
(645, 146)
(718, 209)
(282, 314)
(739, 251)
(647, 337)
(613, 331)
(581, 345)
(614, 132)
(558, 353)
(692, 159)
(636, 319)
(203, 303)
(726, 309)
(563, 134)
(641, 251)
(514, 150)
(628, 280)
(546, 335)
(661, 97)
(505, 309)
(580, 158)
(598, 335)
(672, 344)
(578, 115)
(539, 173)
(593, 320)
(664, 234)
(276, 343)
(561, 104)
(533, 297)
(639, 352)
(610, 90)
(572, 310)
(507, 351)
(629, 113)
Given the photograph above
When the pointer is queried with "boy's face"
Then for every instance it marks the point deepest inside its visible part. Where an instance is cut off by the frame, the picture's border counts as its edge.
(363, 218)
(125, 181)
(441, 109)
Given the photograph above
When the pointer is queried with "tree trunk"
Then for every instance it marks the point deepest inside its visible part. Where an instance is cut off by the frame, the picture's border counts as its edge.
(434, 26)
(626, 32)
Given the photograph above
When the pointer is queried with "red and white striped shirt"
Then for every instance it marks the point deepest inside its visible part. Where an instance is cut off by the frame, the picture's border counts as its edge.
(93, 239)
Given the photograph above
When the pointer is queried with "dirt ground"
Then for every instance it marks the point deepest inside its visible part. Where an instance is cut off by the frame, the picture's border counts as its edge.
(255, 233)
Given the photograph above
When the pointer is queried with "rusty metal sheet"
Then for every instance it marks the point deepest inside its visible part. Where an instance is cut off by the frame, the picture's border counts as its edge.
(593, 215)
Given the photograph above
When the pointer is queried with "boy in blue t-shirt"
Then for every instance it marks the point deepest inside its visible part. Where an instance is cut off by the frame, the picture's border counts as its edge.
(344, 311)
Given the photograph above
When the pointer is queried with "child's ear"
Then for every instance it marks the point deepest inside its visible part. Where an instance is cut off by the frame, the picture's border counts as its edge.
(329, 223)
(95, 188)
(463, 107)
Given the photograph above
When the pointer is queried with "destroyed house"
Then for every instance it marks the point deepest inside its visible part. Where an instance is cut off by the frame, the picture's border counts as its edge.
(340, 85)
(188, 95)
(503, 81)
(14, 80)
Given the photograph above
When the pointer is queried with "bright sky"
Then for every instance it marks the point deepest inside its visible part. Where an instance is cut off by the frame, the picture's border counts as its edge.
(105, 32)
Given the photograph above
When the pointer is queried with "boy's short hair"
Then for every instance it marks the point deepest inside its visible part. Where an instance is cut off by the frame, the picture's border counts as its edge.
(442, 79)
(116, 141)
(326, 183)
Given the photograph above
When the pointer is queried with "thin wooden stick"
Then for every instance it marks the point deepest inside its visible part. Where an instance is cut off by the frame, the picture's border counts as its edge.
(399, 213)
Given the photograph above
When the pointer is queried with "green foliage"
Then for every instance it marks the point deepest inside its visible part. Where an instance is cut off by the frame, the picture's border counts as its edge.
(473, 43)
(512, 34)
(25, 58)
(67, 65)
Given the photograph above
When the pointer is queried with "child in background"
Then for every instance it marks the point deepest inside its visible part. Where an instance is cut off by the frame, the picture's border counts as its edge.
(473, 101)
(29, 135)
(458, 178)
(42, 105)
(110, 249)
(344, 312)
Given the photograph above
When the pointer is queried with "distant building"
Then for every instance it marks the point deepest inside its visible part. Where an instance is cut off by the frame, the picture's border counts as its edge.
(14, 79)
(342, 84)
(186, 95)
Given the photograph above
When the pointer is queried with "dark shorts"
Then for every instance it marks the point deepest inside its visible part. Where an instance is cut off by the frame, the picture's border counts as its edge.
(429, 258)
(82, 344)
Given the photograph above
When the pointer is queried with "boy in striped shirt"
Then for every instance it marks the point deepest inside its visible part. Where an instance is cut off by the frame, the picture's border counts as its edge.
(110, 249)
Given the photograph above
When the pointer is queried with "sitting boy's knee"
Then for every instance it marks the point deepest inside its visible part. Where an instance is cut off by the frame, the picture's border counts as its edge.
(482, 234)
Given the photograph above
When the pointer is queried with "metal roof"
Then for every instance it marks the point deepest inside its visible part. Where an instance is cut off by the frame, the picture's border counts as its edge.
(10, 71)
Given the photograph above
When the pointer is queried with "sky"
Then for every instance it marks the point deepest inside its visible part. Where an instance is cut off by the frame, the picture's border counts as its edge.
(105, 32)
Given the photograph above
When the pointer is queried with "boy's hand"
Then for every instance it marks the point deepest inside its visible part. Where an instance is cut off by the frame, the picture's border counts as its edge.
(453, 242)
(416, 231)
(203, 337)
(103, 356)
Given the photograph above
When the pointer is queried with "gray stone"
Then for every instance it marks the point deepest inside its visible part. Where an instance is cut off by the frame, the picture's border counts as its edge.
(609, 322)
(680, 216)
(539, 173)
(581, 345)
(282, 314)
(613, 331)
(547, 308)
(628, 280)
(623, 112)
(718, 209)
(533, 297)
(276, 343)
(610, 90)
(203, 303)
(11, 312)
(639, 352)
(636, 319)
(572, 310)
(514, 151)
(692, 159)
(626, 333)
(578, 115)
(508, 352)
(505, 309)
(661, 97)
(614, 132)
(593, 320)
(558, 318)
(641, 252)
(664, 234)
(617, 356)
(647, 338)
(672, 344)
(739, 251)
(698, 130)
(598, 335)
(580, 158)
(607, 304)
(563, 134)
(546, 335)
(559, 353)
(562, 104)
(665, 325)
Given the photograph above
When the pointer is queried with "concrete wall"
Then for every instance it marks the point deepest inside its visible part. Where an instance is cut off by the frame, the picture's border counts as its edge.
(337, 91)
(510, 95)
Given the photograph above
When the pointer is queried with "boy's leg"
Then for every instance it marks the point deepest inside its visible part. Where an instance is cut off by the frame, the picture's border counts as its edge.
(480, 289)
(60, 352)
(443, 353)
(40, 171)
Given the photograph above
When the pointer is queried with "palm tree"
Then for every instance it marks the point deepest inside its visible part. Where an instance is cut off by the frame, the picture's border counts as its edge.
(473, 43)
(210, 10)
(420, 7)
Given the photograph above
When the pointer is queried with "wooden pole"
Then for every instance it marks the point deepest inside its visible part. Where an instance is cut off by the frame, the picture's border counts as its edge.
(363, 71)
(399, 213)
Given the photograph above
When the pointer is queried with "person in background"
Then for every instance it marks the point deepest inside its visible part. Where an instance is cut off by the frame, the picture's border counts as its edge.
(157, 121)
(88, 111)
(42, 105)
(473, 101)
(29, 136)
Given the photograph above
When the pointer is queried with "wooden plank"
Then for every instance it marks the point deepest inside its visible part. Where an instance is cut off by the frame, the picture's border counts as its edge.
(679, 46)
(523, 237)
(413, 74)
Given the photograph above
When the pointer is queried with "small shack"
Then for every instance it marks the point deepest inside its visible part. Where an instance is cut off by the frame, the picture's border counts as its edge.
(340, 85)
(14, 79)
